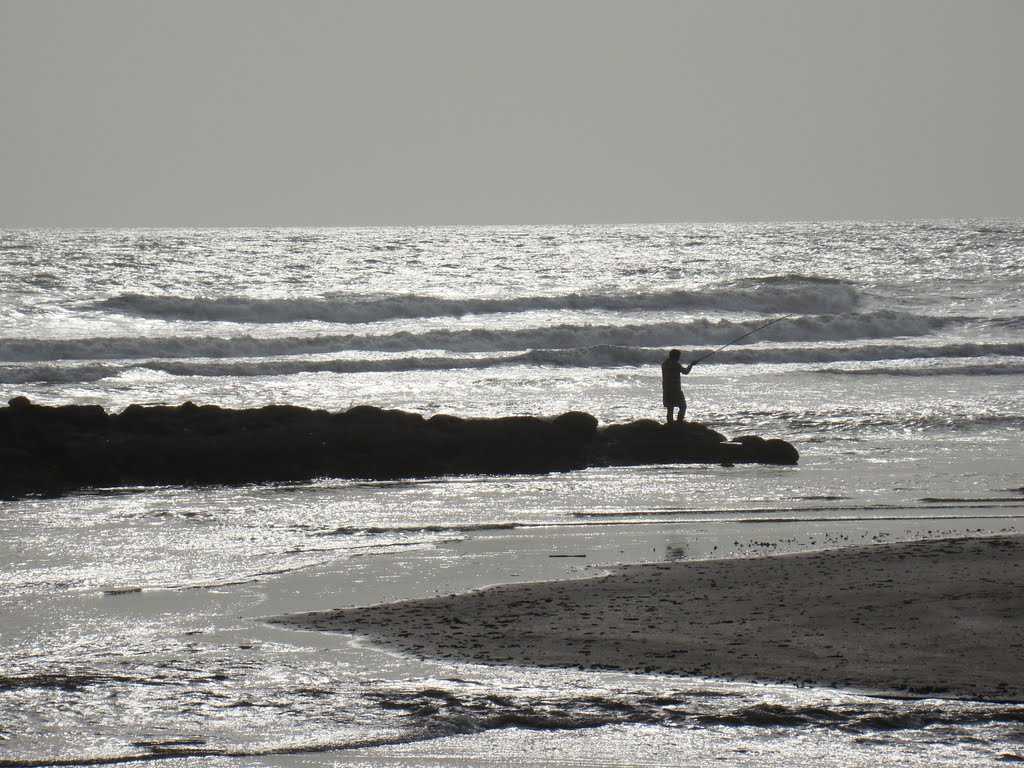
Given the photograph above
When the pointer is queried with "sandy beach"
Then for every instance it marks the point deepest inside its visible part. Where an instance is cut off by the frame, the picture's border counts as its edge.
(934, 618)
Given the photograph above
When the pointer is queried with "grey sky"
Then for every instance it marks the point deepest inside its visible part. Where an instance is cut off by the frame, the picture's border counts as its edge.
(239, 112)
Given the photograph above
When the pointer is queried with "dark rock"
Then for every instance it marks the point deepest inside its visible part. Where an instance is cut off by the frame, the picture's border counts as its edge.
(651, 442)
(779, 452)
(52, 450)
(644, 429)
(577, 423)
(752, 448)
(84, 418)
(379, 418)
(750, 442)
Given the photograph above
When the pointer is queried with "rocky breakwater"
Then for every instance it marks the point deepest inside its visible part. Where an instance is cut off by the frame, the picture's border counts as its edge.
(49, 450)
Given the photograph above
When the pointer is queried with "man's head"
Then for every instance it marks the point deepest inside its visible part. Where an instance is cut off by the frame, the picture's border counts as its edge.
(674, 354)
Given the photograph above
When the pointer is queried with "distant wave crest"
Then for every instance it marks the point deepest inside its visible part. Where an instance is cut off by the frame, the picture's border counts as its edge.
(815, 328)
(772, 295)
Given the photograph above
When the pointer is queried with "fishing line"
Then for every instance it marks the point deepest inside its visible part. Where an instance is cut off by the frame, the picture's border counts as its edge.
(740, 338)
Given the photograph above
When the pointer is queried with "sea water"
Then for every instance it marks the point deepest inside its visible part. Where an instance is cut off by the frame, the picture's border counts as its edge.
(131, 619)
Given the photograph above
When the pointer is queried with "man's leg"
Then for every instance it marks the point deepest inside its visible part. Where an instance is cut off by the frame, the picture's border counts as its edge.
(682, 410)
(670, 409)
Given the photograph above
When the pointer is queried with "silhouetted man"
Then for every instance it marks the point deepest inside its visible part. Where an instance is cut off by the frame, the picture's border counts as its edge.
(671, 384)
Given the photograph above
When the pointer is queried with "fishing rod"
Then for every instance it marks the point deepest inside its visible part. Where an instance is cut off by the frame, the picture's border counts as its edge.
(739, 338)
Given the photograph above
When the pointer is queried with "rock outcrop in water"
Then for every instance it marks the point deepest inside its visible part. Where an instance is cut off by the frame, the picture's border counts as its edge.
(51, 450)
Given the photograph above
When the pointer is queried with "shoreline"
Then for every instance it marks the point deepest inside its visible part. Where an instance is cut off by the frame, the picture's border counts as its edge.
(936, 618)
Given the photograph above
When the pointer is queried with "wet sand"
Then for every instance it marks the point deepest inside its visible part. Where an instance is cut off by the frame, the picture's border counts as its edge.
(933, 618)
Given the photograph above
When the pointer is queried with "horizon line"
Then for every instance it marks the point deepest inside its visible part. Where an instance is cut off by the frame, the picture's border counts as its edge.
(491, 225)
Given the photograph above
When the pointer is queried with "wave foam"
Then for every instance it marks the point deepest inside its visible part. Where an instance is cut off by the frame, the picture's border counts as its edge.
(962, 369)
(600, 356)
(813, 328)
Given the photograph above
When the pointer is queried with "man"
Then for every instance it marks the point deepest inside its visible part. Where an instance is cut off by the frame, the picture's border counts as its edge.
(671, 385)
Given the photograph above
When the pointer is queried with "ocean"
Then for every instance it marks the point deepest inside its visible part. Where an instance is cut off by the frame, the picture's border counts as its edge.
(132, 619)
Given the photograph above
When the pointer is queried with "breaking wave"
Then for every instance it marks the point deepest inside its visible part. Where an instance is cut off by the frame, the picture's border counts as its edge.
(600, 356)
(963, 369)
(793, 294)
(625, 356)
(812, 328)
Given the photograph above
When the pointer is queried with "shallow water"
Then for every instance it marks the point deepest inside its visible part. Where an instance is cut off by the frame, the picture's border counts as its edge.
(132, 618)
(106, 676)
